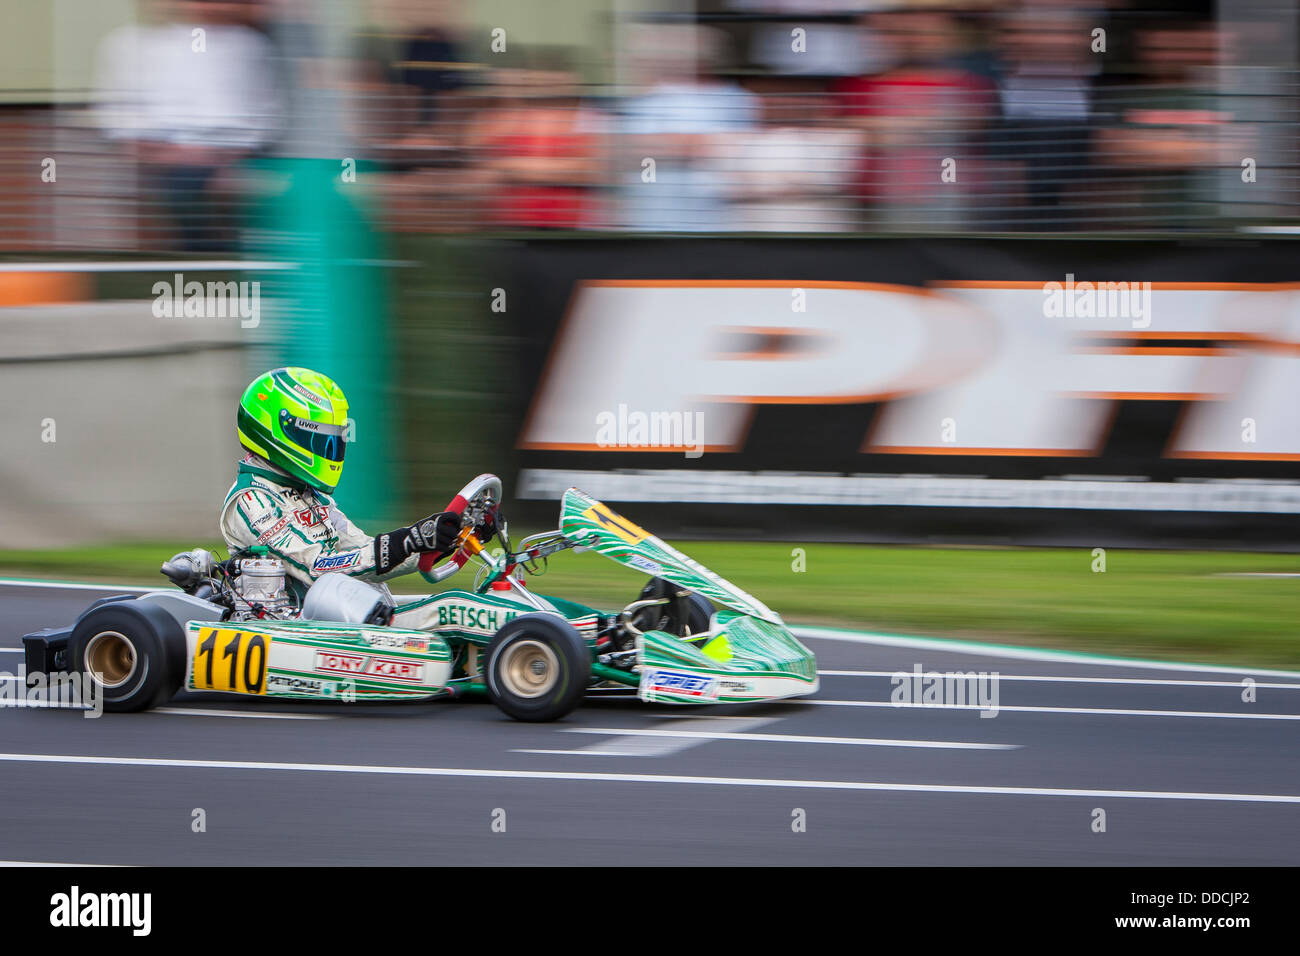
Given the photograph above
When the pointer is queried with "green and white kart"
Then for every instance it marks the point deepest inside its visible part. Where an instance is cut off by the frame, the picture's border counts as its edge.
(690, 637)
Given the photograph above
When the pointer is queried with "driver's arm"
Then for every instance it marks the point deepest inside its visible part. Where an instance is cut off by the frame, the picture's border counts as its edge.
(261, 519)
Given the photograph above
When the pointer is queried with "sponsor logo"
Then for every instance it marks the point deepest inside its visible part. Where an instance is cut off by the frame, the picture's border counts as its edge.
(401, 642)
(645, 564)
(735, 686)
(310, 517)
(950, 395)
(299, 685)
(467, 617)
(408, 672)
(683, 685)
(76, 909)
(310, 395)
(272, 531)
(336, 562)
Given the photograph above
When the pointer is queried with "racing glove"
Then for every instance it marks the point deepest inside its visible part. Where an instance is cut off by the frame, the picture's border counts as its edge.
(434, 534)
(485, 531)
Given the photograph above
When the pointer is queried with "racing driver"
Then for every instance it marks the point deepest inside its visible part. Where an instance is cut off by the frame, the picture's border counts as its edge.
(291, 423)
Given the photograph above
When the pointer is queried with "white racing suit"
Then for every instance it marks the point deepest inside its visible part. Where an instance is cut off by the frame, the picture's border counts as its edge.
(305, 529)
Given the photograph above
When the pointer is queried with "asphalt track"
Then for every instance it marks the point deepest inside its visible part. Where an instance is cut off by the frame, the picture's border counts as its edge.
(1185, 771)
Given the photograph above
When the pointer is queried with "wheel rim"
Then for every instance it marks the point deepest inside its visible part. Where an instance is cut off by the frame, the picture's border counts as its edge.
(529, 668)
(110, 658)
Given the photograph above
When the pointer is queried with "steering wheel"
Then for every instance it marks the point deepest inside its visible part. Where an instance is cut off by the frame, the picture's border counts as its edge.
(474, 503)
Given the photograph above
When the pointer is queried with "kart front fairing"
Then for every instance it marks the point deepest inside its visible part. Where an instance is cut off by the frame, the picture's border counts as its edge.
(748, 654)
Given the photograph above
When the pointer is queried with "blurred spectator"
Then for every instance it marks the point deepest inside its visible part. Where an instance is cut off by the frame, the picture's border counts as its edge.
(1046, 94)
(191, 96)
(790, 174)
(1171, 123)
(687, 121)
(537, 152)
(920, 111)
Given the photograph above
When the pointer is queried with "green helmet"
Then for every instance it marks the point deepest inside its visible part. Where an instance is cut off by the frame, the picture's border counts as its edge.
(294, 418)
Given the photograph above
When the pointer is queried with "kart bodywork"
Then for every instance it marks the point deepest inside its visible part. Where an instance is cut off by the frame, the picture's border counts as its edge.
(534, 655)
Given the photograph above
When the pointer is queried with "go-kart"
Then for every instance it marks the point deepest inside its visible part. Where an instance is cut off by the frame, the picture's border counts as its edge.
(234, 627)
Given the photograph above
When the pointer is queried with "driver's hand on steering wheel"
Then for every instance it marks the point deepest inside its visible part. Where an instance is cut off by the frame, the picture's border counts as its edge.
(487, 529)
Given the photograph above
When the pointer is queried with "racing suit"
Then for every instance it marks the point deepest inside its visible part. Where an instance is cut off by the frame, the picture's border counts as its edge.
(305, 529)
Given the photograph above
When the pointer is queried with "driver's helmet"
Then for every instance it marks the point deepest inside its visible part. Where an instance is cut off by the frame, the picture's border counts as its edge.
(294, 418)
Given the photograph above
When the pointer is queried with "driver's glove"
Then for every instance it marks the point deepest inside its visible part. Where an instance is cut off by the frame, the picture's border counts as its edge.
(436, 533)
(488, 529)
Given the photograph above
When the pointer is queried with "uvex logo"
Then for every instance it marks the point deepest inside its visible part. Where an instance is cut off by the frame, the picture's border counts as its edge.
(967, 368)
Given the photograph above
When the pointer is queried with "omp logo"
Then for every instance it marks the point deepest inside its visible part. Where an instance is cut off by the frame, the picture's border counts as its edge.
(965, 368)
(75, 909)
(688, 685)
(409, 672)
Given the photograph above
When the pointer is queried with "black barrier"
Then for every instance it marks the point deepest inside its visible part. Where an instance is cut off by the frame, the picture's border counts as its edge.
(807, 466)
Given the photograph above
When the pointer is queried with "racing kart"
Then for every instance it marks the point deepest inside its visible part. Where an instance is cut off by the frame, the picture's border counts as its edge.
(234, 627)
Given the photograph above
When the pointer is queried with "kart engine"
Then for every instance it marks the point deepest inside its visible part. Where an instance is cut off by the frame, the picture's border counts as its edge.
(260, 591)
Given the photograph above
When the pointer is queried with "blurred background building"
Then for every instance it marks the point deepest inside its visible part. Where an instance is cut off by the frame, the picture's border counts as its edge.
(378, 165)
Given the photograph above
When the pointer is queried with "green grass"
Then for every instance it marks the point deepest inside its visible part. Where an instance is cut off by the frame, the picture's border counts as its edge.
(1159, 604)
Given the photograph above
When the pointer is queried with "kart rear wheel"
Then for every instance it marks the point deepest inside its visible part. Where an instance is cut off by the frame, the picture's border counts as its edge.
(132, 651)
(537, 667)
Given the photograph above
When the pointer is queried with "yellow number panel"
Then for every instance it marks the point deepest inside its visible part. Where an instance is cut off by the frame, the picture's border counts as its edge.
(615, 522)
(230, 659)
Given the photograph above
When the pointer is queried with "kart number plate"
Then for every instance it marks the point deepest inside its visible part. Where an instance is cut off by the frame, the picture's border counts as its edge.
(616, 523)
(230, 659)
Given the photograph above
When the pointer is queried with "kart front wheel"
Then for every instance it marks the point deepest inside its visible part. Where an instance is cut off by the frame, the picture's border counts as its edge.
(537, 667)
(133, 652)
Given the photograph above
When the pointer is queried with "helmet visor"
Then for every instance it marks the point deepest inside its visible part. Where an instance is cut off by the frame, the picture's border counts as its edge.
(322, 440)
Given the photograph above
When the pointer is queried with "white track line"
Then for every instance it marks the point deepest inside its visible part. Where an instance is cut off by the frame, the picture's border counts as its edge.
(1140, 681)
(198, 712)
(78, 586)
(28, 863)
(976, 649)
(1024, 708)
(631, 743)
(794, 738)
(688, 780)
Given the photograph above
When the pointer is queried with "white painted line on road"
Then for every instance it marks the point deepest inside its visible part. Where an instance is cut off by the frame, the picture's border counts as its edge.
(76, 586)
(199, 712)
(11, 650)
(592, 776)
(1024, 708)
(43, 864)
(588, 752)
(638, 743)
(795, 739)
(978, 649)
(1139, 681)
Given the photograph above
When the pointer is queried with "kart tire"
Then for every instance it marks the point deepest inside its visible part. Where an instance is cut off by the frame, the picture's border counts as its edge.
(537, 667)
(138, 648)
